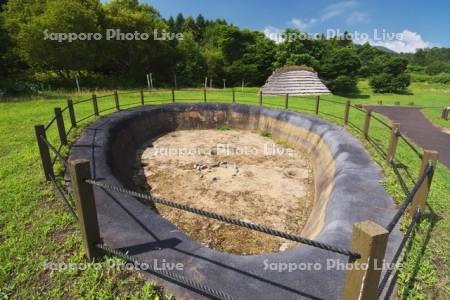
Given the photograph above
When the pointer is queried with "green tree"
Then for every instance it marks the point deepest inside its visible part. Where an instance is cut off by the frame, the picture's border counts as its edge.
(341, 70)
(27, 22)
(191, 65)
(134, 58)
(372, 59)
(393, 78)
(179, 21)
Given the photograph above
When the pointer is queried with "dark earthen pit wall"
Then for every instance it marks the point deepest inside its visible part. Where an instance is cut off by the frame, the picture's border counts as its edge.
(347, 190)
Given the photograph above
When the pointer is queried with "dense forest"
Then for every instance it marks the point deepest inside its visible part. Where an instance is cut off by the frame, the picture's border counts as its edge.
(214, 49)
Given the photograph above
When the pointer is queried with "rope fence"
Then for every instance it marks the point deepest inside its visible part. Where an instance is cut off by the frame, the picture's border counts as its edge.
(227, 220)
(361, 243)
(396, 257)
(65, 198)
(410, 197)
(165, 273)
(411, 146)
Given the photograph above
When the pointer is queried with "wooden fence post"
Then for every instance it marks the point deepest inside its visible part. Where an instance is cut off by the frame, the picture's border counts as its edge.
(204, 95)
(445, 113)
(346, 112)
(317, 104)
(368, 239)
(234, 96)
(392, 148)
(95, 104)
(73, 120)
(44, 152)
(286, 101)
(60, 125)
(420, 199)
(142, 97)
(260, 98)
(173, 95)
(367, 123)
(116, 100)
(80, 171)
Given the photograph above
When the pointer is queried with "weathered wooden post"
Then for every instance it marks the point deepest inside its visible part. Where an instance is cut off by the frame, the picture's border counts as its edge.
(60, 125)
(392, 148)
(142, 97)
(80, 171)
(346, 112)
(204, 95)
(70, 107)
(234, 96)
(260, 98)
(317, 104)
(173, 95)
(95, 104)
(445, 113)
(116, 100)
(44, 152)
(367, 123)
(420, 199)
(369, 240)
(286, 101)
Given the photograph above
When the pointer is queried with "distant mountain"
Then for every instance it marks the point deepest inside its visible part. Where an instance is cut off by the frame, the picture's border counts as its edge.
(385, 49)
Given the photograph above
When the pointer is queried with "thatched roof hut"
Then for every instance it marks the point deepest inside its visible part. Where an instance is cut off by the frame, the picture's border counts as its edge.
(294, 80)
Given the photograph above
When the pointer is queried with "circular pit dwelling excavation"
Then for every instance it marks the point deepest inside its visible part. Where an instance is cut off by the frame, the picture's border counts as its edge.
(284, 170)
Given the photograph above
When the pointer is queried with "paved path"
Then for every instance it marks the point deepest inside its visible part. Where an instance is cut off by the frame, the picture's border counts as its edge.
(419, 129)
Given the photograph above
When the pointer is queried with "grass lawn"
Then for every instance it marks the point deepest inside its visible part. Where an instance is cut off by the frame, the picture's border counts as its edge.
(36, 227)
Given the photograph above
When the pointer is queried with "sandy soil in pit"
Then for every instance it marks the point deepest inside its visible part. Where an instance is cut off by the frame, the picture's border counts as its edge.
(235, 173)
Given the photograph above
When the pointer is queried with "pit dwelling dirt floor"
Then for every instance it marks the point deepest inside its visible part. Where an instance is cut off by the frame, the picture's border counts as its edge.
(240, 174)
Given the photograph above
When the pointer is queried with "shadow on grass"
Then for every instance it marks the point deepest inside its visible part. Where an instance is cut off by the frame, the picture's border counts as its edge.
(432, 219)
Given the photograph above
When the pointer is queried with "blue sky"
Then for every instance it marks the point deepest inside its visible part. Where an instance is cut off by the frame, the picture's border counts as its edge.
(419, 23)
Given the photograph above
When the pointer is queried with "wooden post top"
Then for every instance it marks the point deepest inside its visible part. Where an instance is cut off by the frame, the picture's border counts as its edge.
(371, 228)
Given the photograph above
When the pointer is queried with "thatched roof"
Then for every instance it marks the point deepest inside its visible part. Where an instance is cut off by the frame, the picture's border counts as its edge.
(294, 80)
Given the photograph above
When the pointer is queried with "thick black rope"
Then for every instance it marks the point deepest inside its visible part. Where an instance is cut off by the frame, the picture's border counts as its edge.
(53, 149)
(50, 123)
(413, 148)
(381, 121)
(398, 252)
(165, 273)
(55, 159)
(332, 101)
(400, 178)
(82, 101)
(228, 220)
(357, 108)
(63, 196)
(409, 198)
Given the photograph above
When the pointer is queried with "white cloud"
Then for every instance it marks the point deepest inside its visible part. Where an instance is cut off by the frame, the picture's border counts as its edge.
(273, 33)
(345, 9)
(303, 24)
(406, 42)
(357, 17)
(337, 9)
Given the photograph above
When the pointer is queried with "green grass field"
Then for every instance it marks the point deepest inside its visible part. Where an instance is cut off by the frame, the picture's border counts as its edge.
(36, 227)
